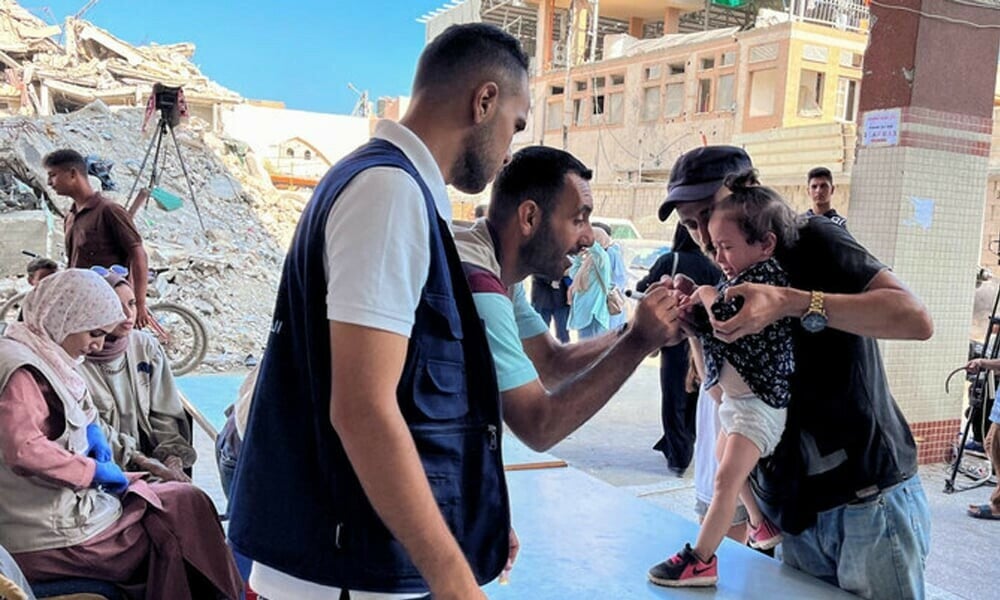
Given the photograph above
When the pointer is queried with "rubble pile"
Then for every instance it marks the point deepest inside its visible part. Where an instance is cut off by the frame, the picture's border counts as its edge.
(89, 93)
(40, 77)
(228, 271)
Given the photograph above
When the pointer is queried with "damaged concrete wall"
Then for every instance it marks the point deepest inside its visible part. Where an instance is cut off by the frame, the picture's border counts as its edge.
(22, 230)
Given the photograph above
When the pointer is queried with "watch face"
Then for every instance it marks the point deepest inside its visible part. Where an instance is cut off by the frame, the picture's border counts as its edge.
(814, 322)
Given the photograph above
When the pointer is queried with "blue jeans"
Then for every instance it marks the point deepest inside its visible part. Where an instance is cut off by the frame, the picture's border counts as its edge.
(560, 316)
(227, 450)
(876, 549)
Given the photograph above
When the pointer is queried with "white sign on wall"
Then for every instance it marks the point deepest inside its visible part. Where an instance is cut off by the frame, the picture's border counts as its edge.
(881, 127)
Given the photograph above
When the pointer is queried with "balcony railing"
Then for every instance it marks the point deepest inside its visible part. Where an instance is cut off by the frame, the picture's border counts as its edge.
(850, 15)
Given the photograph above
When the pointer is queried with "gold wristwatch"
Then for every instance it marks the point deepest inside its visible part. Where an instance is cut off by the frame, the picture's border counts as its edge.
(814, 319)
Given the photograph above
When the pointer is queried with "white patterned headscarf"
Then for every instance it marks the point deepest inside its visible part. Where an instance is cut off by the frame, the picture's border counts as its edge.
(64, 303)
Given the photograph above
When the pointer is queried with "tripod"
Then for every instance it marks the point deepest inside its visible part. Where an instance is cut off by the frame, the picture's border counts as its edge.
(982, 386)
(162, 127)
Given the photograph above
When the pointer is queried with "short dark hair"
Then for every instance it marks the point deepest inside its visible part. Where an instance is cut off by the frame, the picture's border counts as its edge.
(537, 173)
(759, 210)
(602, 226)
(819, 173)
(470, 49)
(66, 159)
(40, 262)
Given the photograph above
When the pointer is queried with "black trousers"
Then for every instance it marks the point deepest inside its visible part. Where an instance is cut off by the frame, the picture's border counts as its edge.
(678, 408)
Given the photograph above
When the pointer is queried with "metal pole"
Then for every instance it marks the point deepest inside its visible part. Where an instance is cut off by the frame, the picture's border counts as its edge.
(187, 177)
(138, 176)
(567, 92)
(593, 39)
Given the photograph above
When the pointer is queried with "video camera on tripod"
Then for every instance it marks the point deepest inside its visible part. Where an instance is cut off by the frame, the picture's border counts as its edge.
(170, 103)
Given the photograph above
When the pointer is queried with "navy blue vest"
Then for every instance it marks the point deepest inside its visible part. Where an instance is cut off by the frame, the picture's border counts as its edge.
(297, 504)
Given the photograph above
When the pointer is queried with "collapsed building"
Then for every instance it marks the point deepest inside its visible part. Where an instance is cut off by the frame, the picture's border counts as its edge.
(42, 77)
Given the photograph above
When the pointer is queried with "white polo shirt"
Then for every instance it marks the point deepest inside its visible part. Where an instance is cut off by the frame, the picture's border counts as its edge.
(377, 257)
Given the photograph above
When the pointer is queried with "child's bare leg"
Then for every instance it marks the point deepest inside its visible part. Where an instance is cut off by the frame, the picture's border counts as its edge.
(736, 533)
(739, 455)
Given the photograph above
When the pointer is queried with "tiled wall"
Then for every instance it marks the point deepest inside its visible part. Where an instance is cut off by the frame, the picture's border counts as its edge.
(936, 439)
(918, 207)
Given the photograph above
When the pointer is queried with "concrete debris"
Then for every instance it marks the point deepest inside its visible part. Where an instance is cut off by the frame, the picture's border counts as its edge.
(40, 77)
(227, 273)
(22, 32)
(16, 195)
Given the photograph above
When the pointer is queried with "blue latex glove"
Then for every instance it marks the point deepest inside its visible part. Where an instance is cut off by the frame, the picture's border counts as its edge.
(109, 477)
(97, 445)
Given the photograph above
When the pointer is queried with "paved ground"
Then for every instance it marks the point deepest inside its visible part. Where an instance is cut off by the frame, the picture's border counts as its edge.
(615, 446)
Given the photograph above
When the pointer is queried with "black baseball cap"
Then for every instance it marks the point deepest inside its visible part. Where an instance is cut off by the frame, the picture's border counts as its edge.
(698, 174)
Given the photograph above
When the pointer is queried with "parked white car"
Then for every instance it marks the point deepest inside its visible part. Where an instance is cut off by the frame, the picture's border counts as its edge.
(621, 229)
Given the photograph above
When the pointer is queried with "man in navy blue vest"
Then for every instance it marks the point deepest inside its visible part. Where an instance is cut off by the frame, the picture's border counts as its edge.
(371, 460)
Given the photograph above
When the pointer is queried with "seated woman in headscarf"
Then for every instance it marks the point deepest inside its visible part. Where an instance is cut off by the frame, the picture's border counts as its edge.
(66, 509)
(133, 389)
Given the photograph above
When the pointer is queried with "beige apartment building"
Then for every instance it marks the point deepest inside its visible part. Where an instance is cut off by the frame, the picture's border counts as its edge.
(654, 82)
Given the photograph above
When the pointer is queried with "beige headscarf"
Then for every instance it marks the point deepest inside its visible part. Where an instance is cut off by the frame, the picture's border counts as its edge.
(64, 303)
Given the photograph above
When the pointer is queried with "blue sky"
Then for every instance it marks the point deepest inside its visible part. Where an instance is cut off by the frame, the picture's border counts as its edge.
(302, 52)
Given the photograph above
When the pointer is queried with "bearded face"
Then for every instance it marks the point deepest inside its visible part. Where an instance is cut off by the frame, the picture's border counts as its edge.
(544, 254)
(475, 166)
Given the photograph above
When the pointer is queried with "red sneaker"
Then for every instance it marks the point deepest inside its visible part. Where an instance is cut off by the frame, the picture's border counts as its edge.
(765, 536)
(685, 569)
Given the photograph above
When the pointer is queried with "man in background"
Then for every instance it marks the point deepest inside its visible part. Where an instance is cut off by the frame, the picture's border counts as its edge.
(550, 299)
(821, 188)
(98, 231)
